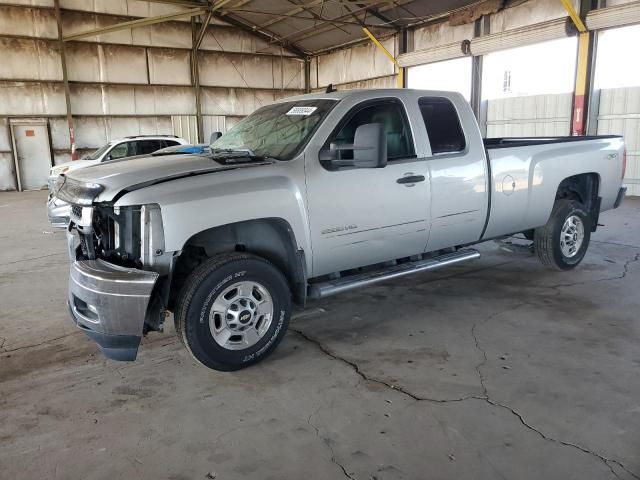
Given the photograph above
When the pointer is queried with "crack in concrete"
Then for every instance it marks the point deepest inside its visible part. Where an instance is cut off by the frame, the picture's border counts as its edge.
(33, 258)
(34, 345)
(327, 442)
(616, 243)
(355, 367)
(484, 397)
(623, 274)
(485, 393)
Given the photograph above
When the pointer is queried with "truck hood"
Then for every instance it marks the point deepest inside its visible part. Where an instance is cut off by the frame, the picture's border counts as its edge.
(73, 165)
(138, 172)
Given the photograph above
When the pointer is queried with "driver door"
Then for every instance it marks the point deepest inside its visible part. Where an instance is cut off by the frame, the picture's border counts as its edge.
(362, 216)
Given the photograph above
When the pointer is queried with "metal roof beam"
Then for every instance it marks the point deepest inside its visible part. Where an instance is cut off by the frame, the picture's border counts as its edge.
(321, 19)
(305, 33)
(266, 36)
(182, 3)
(203, 29)
(298, 9)
(375, 13)
(143, 22)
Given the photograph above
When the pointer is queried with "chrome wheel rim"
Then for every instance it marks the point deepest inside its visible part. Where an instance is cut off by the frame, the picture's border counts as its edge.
(571, 236)
(241, 315)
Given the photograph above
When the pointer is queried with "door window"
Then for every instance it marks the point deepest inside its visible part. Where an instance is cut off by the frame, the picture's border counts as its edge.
(145, 147)
(443, 125)
(391, 114)
(119, 151)
(168, 143)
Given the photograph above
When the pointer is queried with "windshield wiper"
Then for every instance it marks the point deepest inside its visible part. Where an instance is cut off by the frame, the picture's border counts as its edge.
(238, 153)
(241, 151)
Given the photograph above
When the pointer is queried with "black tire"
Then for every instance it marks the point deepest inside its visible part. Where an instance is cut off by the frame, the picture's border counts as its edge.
(529, 234)
(547, 238)
(198, 294)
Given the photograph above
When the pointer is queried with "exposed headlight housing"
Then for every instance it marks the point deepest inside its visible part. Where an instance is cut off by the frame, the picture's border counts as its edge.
(75, 192)
(59, 170)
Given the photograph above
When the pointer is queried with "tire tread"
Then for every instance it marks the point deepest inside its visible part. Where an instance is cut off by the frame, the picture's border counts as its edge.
(190, 286)
(543, 239)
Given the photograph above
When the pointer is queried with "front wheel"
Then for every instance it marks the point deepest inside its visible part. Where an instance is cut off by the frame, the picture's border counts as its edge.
(562, 243)
(233, 311)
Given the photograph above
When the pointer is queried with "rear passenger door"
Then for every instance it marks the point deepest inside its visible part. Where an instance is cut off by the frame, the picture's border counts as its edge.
(458, 172)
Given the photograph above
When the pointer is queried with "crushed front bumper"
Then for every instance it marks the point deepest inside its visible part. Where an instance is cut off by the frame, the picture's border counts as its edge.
(109, 304)
(58, 212)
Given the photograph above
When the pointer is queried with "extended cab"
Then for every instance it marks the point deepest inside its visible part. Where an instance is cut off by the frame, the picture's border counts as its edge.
(309, 197)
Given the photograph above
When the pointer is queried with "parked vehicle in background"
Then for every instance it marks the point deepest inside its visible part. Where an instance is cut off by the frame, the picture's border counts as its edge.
(58, 211)
(313, 196)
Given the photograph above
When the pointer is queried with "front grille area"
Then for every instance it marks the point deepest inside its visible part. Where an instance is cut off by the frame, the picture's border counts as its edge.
(76, 211)
(84, 245)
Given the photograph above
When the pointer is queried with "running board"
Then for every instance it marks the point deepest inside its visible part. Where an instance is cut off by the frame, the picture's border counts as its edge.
(343, 284)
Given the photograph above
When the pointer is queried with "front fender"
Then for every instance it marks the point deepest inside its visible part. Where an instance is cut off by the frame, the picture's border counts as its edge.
(192, 205)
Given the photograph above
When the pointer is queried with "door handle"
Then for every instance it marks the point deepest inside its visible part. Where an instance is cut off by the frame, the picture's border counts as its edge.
(411, 179)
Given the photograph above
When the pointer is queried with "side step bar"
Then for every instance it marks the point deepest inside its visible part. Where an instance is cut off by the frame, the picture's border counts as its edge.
(339, 285)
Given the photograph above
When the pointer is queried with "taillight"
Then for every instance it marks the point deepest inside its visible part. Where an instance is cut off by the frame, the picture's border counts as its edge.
(624, 163)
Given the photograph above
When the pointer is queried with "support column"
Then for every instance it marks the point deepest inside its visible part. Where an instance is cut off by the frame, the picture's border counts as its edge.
(584, 66)
(65, 80)
(195, 80)
(307, 74)
(479, 107)
(403, 47)
(580, 95)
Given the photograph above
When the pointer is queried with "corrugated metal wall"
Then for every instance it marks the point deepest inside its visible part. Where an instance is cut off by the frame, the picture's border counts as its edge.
(535, 115)
(128, 82)
(362, 66)
(620, 115)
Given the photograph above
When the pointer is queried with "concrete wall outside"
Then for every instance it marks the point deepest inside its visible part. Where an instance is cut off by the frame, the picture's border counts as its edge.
(530, 116)
(619, 114)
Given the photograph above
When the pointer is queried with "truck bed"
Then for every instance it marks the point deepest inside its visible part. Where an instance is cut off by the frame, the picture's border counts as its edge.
(507, 142)
(525, 173)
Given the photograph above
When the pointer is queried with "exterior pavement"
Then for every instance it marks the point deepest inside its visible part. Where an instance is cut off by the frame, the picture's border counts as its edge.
(495, 369)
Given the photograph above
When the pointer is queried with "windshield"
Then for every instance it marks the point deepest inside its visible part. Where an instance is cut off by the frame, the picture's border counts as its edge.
(278, 131)
(98, 153)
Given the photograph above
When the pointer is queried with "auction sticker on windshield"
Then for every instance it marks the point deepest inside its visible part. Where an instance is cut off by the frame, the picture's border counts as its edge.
(302, 110)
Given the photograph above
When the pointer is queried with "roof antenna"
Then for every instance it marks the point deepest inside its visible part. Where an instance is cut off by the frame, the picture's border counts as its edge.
(330, 88)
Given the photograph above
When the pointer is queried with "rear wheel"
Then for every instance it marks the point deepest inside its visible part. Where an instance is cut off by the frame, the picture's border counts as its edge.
(562, 243)
(233, 311)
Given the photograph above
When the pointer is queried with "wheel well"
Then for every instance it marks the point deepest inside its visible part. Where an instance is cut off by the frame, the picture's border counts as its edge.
(583, 187)
(269, 238)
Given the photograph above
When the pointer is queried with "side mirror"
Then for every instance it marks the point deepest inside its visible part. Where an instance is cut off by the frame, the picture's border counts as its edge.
(369, 149)
(214, 136)
(370, 146)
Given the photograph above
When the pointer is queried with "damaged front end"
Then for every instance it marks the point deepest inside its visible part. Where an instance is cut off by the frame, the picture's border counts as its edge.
(119, 271)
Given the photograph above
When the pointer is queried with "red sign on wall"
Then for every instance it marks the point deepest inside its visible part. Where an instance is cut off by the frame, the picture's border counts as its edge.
(30, 133)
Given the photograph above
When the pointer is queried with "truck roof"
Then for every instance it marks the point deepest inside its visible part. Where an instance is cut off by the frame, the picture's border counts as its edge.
(364, 93)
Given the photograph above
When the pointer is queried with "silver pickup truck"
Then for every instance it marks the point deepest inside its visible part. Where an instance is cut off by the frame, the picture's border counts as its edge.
(312, 196)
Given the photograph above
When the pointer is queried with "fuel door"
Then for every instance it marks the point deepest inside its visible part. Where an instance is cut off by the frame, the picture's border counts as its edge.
(508, 185)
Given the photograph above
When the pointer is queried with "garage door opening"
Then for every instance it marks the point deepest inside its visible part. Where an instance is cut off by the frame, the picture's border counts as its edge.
(529, 89)
(451, 75)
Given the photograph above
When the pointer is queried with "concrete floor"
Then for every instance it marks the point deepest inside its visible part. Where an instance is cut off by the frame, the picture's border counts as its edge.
(495, 369)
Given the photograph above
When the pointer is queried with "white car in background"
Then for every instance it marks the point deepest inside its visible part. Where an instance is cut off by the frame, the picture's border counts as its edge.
(58, 211)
